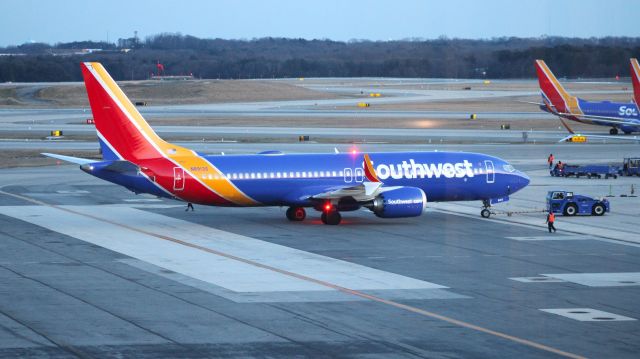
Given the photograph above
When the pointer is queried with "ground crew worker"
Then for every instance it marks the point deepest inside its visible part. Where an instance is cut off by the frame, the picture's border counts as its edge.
(550, 160)
(189, 205)
(551, 217)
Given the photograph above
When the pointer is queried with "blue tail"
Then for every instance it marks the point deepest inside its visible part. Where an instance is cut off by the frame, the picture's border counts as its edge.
(107, 152)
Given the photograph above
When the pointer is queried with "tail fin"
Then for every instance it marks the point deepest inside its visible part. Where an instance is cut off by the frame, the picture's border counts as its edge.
(553, 91)
(635, 79)
(123, 132)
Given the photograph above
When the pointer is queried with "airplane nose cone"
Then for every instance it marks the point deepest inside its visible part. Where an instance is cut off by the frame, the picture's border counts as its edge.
(520, 180)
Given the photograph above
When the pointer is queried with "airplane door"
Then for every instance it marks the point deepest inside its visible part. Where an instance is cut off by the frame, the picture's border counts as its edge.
(178, 179)
(491, 173)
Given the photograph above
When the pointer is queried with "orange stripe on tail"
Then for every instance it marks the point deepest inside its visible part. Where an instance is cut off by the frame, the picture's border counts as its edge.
(369, 171)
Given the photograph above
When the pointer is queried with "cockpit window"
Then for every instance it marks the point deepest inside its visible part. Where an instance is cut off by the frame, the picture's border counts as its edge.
(508, 168)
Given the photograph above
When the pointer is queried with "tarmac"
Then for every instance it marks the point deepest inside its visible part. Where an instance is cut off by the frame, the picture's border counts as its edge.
(91, 270)
(88, 269)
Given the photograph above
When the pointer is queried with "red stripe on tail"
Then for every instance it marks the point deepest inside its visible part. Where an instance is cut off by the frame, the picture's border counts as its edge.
(635, 79)
(112, 122)
(551, 87)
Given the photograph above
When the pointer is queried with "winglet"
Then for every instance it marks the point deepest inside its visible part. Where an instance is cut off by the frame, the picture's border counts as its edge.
(369, 171)
(635, 79)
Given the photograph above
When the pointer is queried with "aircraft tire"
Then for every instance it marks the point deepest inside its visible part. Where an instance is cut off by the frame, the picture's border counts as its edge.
(296, 214)
(613, 131)
(485, 213)
(331, 218)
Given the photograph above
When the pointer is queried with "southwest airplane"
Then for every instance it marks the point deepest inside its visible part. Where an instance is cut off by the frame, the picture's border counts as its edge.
(556, 100)
(391, 185)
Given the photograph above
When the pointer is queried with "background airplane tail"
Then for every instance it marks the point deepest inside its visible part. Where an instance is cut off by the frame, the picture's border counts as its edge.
(635, 79)
(552, 90)
(122, 131)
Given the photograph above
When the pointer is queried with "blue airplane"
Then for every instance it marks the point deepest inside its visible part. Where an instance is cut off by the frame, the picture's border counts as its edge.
(556, 100)
(391, 185)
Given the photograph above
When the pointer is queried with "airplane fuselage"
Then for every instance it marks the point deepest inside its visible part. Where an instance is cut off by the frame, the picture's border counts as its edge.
(625, 111)
(291, 179)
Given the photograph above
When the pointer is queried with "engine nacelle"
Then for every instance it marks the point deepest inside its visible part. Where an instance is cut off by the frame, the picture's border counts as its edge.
(400, 202)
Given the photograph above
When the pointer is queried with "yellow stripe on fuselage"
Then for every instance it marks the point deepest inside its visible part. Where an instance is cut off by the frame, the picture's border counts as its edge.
(184, 157)
(213, 178)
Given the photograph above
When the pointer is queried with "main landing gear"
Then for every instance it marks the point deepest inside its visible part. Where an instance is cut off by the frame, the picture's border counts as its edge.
(296, 214)
(485, 212)
(613, 131)
(329, 215)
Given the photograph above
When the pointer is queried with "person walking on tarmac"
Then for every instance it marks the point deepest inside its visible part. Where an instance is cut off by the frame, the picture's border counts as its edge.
(551, 217)
(550, 160)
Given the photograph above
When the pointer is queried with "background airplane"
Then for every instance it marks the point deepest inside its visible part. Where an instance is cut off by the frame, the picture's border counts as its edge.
(556, 100)
(391, 185)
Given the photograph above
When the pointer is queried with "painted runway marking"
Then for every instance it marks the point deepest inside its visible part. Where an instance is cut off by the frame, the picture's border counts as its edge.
(192, 262)
(357, 293)
(551, 237)
(588, 315)
(624, 279)
(541, 279)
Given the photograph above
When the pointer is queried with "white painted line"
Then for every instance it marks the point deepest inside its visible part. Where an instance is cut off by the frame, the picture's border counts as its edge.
(208, 267)
(588, 315)
(551, 237)
(143, 200)
(624, 279)
(541, 279)
(72, 192)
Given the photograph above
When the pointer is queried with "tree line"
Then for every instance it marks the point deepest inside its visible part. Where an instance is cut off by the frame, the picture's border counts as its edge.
(281, 57)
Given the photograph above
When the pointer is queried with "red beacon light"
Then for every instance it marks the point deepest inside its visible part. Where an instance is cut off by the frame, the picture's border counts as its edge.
(327, 207)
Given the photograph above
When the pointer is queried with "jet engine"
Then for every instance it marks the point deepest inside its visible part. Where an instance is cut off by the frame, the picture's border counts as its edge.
(399, 202)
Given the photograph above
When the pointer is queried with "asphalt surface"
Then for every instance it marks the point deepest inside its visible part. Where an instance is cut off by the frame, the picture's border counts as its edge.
(88, 269)
(485, 288)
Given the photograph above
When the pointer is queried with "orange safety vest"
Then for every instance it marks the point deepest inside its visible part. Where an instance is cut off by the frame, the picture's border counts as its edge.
(552, 217)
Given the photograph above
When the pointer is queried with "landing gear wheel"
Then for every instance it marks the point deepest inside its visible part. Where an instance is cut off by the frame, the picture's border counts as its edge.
(598, 209)
(485, 213)
(331, 218)
(613, 131)
(570, 210)
(296, 214)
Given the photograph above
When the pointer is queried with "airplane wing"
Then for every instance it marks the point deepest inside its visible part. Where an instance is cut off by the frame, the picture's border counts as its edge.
(76, 160)
(362, 192)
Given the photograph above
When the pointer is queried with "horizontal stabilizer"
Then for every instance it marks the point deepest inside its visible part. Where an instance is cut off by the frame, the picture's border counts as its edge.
(76, 160)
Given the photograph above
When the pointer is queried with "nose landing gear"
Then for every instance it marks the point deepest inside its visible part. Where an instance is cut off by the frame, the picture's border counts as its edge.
(485, 212)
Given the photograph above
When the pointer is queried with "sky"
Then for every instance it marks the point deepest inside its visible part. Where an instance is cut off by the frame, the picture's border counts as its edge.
(73, 20)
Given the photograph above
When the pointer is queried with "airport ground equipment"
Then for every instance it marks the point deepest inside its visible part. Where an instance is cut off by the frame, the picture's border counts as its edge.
(589, 171)
(570, 204)
(630, 166)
